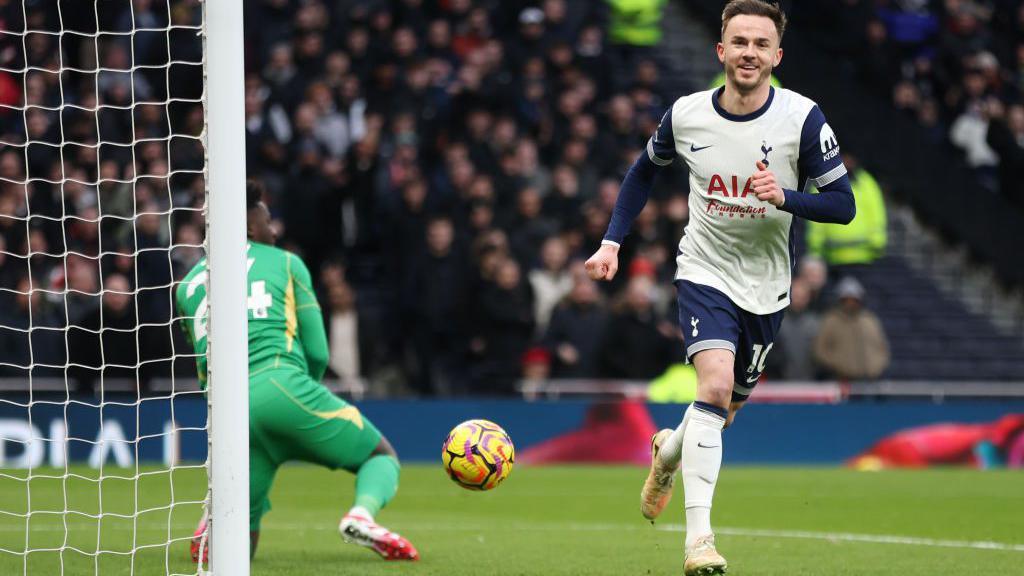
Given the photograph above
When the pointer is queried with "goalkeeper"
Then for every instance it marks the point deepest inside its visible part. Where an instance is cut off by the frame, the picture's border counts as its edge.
(291, 415)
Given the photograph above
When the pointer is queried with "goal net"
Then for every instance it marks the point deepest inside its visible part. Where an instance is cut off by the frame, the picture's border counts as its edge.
(104, 140)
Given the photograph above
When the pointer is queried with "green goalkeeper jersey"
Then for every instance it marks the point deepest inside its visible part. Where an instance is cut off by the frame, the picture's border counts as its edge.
(286, 329)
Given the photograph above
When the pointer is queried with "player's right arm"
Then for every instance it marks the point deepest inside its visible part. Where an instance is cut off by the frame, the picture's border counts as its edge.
(633, 193)
(311, 330)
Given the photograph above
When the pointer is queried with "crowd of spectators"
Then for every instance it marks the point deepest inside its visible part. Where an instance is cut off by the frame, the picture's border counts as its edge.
(443, 167)
(99, 176)
(954, 65)
(417, 154)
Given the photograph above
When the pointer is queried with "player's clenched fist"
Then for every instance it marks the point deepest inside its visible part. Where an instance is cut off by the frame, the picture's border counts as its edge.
(766, 187)
(604, 263)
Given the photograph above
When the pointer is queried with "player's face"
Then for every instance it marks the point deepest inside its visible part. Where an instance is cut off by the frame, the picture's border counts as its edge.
(749, 50)
(259, 227)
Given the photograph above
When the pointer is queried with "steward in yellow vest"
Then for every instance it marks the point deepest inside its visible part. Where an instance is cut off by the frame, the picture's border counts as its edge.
(863, 240)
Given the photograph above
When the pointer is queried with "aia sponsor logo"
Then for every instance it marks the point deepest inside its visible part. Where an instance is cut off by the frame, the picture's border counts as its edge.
(719, 186)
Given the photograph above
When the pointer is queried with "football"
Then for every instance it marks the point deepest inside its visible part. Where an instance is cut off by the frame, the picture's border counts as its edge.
(478, 455)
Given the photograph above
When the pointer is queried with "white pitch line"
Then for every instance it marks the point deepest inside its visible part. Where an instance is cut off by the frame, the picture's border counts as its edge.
(455, 526)
(847, 537)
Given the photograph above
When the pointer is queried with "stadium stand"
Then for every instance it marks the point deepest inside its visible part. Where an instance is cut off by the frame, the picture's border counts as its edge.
(418, 154)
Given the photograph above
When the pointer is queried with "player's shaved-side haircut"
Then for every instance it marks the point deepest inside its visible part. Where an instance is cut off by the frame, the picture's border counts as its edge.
(253, 193)
(755, 8)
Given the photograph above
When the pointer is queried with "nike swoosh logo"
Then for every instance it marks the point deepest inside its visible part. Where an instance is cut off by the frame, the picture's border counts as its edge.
(703, 446)
(694, 148)
(753, 379)
(706, 481)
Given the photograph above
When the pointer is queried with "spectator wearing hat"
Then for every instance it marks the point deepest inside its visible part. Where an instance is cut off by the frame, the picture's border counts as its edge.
(531, 40)
(536, 363)
(851, 344)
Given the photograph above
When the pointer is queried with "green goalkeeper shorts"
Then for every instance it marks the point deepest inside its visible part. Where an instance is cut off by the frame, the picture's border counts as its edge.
(293, 417)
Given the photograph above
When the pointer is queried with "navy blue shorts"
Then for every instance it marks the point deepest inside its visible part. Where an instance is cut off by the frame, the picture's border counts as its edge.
(710, 320)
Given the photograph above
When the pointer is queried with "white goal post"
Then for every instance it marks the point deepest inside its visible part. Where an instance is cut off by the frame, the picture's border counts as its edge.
(228, 336)
(121, 141)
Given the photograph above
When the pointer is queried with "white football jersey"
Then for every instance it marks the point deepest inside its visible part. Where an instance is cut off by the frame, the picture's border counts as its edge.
(734, 242)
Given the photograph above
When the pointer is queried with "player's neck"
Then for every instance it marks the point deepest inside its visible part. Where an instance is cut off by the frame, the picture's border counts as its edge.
(740, 103)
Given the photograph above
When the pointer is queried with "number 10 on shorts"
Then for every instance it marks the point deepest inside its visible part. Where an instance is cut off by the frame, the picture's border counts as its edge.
(758, 357)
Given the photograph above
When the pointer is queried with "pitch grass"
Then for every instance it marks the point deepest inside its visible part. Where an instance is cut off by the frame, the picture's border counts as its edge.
(543, 521)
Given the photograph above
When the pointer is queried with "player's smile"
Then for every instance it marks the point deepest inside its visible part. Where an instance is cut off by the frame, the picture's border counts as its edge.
(748, 72)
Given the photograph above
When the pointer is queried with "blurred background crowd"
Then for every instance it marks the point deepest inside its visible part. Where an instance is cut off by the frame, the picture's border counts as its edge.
(955, 66)
(444, 167)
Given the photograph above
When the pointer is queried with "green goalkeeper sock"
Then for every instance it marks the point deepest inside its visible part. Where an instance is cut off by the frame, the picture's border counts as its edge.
(376, 483)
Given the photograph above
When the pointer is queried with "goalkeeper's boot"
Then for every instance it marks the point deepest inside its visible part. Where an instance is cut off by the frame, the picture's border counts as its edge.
(657, 489)
(702, 559)
(365, 532)
(197, 543)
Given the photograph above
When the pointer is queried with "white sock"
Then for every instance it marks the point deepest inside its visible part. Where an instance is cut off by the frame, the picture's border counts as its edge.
(702, 459)
(698, 523)
(672, 449)
(361, 512)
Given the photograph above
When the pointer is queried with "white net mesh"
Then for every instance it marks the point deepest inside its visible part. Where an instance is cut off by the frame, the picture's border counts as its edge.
(102, 459)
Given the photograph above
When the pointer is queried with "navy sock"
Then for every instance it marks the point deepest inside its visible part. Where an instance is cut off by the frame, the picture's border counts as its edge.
(711, 409)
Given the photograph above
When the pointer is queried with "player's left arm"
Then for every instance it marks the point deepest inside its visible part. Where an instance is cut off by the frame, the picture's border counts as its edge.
(311, 329)
(822, 164)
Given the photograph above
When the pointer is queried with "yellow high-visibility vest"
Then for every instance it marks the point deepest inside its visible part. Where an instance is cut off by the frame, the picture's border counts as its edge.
(677, 385)
(861, 241)
(635, 22)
